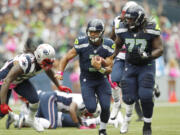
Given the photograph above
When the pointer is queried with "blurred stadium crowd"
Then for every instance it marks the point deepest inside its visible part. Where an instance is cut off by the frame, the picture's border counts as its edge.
(59, 22)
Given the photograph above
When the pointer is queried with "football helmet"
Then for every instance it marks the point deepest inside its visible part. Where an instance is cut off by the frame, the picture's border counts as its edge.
(126, 6)
(95, 25)
(45, 56)
(134, 16)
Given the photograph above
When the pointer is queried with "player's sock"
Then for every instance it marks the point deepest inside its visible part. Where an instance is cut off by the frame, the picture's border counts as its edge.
(59, 121)
(32, 110)
(129, 109)
(117, 104)
(120, 117)
(102, 125)
(116, 94)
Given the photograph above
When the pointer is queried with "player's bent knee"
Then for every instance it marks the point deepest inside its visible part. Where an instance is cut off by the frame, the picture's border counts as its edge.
(91, 109)
(127, 100)
(34, 100)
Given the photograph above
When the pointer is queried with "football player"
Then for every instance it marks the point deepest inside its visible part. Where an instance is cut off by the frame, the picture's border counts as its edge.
(15, 74)
(96, 60)
(143, 45)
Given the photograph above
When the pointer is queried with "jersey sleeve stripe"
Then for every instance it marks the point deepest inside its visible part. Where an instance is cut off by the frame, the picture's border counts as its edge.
(108, 49)
(29, 64)
(81, 46)
(120, 30)
(151, 31)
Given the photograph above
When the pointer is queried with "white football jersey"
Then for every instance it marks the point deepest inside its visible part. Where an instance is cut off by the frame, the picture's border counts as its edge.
(27, 63)
(121, 55)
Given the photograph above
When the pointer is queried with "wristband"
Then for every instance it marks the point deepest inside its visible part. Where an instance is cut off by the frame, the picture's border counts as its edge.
(60, 73)
(102, 70)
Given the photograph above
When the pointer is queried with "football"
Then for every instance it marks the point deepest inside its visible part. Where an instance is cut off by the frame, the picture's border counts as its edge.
(98, 58)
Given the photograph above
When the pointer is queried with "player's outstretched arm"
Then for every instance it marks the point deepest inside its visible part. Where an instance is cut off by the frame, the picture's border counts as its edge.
(11, 76)
(15, 71)
(50, 73)
(72, 111)
(157, 48)
(64, 61)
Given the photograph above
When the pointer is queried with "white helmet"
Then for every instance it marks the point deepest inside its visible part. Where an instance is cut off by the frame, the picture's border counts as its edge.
(45, 55)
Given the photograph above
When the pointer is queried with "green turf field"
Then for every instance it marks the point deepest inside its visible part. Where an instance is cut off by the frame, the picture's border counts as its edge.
(166, 121)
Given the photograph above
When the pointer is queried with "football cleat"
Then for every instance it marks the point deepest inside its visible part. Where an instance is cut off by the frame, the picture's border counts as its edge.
(34, 123)
(124, 127)
(115, 110)
(102, 132)
(37, 126)
(147, 131)
(21, 120)
(9, 121)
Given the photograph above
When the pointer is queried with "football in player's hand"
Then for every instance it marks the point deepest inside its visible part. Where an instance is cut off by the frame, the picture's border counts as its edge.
(98, 58)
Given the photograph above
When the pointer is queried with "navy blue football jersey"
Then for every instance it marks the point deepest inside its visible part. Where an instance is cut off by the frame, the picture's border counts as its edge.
(86, 51)
(138, 42)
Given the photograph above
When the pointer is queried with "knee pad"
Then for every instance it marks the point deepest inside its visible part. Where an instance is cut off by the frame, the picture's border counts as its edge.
(91, 109)
(128, 100)
(148, 81)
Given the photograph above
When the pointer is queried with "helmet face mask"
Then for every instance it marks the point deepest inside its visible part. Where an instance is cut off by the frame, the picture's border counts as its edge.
(45, 56)
(95, 30)
(46, 64)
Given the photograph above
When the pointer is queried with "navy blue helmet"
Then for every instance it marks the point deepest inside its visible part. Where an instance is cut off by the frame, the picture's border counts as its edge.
(137, 16)
(95, 25)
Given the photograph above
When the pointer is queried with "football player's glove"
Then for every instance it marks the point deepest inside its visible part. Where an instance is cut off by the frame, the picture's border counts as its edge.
(65, 89)
(5, 109)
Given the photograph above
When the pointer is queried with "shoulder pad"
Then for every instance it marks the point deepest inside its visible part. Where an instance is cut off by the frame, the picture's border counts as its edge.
(81, 40)
(153, 28)
(25, 61)
(109, 44)
(121, 28)
(116, 22)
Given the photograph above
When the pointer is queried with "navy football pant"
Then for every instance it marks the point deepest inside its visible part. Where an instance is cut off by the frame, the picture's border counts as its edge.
(101, 88)
(48, 108)
(138, 83)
